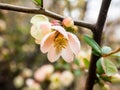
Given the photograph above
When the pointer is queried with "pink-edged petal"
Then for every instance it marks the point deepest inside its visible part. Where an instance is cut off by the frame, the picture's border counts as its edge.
(74, 43)
(47, 41)
(67, 54)
(53, 55)
(60, 30)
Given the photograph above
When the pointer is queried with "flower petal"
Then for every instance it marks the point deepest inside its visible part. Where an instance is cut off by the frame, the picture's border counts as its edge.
(45, 28)
(74, 43)
(39, 19)
(47, 42)
(35, 32)
(67, 54)
(52, 54)
(61, 30)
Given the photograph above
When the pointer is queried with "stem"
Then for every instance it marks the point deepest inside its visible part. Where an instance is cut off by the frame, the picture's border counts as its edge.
(97, 37)
(113, 52)
(44, 12)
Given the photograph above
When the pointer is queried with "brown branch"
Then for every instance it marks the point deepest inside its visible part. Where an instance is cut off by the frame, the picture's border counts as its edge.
(113, 52)
(42, 11)
(97, 33)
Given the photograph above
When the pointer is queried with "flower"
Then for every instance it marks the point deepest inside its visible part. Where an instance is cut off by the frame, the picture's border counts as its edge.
(55, 81)
(44, 72)
(60, 43)
(68, 22)
(32, 85)
(54, 39)
(66, 78)
(41, 26)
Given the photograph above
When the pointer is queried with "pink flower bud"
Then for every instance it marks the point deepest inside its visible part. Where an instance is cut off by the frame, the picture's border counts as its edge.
(68, 22)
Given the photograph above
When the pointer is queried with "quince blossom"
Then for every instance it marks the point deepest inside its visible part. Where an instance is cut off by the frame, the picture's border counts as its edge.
(60, 43)
(54, 39)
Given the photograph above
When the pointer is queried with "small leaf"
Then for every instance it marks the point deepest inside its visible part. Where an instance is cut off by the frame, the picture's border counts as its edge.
(111, 69)
(106, 66)
(93, 44)
(86, 62)
(99, 67)
(106, 50)
(38, 2)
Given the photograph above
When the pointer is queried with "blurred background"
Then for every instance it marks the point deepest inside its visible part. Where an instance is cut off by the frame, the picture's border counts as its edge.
(24, 67)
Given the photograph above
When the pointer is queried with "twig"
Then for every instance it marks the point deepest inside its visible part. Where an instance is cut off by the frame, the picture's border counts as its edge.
(113, 52)
(42, 11)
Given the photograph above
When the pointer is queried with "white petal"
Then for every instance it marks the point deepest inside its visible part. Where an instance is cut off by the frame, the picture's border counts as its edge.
(38, 19)
(47, 41)
(67, 54)
(35, 32)
(74, 43)
(60, 30)
(53, 55)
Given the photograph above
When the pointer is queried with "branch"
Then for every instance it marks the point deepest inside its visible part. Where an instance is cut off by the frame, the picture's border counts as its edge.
(97, 33)
(42, 11)
(113, 52)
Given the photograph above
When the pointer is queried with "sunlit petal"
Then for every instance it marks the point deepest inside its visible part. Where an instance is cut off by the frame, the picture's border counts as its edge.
(74, 43)
(35, 33)
(39, 19)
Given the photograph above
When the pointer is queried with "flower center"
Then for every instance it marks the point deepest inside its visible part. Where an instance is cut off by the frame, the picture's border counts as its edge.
(60, 42)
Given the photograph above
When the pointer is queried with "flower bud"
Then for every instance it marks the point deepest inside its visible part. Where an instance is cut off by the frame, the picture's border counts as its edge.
(68, 22)
(66, 78)
(115, 78)
(105, 87)
(18, 81)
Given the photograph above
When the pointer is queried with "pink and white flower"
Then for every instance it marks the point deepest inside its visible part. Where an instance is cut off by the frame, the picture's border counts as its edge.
(44, 72)
(60, 43)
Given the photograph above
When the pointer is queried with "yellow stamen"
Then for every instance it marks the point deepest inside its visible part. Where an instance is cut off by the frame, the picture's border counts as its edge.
(60, 42)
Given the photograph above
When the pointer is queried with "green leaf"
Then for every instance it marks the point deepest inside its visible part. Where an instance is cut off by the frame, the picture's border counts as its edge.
(99, 67)
(111, 69)
(106, 50)
(38, 2)
(86, 62)
(106, 66)
(93, 44)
